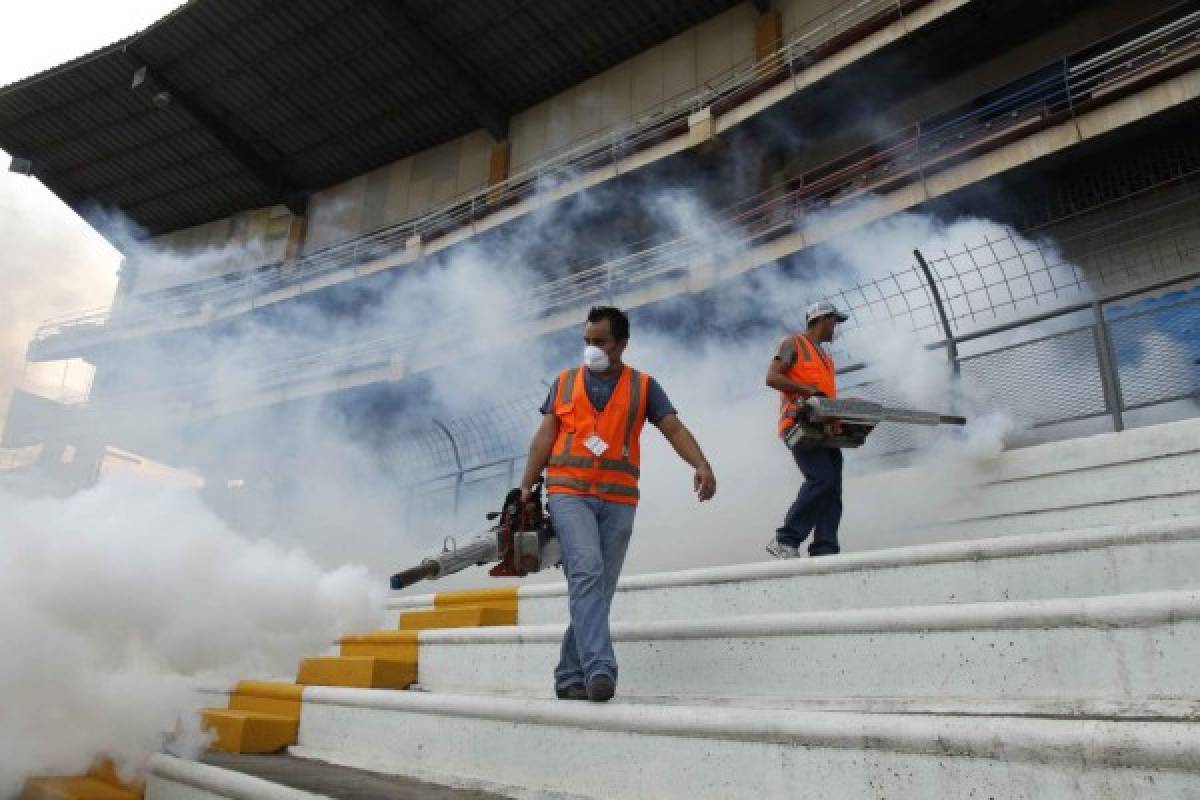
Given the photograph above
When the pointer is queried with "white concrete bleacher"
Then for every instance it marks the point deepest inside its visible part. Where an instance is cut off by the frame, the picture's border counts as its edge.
(1040, 641)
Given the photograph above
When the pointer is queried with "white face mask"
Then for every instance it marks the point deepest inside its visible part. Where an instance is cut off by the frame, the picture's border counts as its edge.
(595, 359)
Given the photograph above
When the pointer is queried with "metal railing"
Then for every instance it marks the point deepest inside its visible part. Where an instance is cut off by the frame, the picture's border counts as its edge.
(821, 37)
(1125, 358)
(1003, 276)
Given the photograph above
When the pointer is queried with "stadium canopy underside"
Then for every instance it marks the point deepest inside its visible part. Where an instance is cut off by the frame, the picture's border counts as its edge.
(225, 105)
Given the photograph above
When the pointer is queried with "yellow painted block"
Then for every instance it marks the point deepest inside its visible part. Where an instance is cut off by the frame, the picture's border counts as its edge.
(282, 699)
(396, 645)
(457, 617)
(495, 597)
(105, 771)
(240, 731)
(75, 788)
(364, 672)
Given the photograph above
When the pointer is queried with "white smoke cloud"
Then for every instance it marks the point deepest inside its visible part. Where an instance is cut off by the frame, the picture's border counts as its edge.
(52, 263)
(119, 598)
(333, 498)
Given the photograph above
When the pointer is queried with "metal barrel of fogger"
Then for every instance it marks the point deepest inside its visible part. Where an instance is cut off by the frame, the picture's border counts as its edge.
(483, 549)
(853, 409)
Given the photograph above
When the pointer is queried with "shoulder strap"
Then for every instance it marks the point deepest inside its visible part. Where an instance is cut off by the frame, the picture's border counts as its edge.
(802, 351)
(566, 384)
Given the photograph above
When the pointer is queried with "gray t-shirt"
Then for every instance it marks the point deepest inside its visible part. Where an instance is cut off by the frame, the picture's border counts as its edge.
(599, 390)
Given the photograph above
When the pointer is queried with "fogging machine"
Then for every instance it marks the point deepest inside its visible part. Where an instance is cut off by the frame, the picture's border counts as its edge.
(846, 422)
(522, 541)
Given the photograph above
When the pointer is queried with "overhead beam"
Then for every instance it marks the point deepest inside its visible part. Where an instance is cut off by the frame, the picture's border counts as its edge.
(162, 93)
(430, 48)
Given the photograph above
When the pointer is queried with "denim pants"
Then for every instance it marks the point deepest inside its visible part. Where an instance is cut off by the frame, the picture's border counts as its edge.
(818, 506)
(594, 535)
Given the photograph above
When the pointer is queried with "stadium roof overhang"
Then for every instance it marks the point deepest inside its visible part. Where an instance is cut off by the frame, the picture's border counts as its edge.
(225, 105)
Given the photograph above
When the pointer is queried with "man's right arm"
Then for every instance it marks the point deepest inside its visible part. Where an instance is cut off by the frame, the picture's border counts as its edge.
(539, 453)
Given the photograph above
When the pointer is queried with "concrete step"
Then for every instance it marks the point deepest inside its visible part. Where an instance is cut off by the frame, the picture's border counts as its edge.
(1110, 560)
(465, 616)
(1125, 647)
(366, 672)
(102, 782)
(1114, 478)
(375, 660)
(262, 717)
(706, 750)
(237, 731)
(284, 777)
(75, 788)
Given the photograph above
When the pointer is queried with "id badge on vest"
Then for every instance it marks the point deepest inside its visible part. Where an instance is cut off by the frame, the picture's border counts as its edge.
(597, 445)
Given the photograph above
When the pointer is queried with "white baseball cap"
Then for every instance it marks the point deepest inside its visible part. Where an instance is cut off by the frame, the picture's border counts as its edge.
(823, 309)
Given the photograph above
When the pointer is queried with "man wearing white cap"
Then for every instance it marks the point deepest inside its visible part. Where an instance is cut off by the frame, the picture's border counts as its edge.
(802, 368)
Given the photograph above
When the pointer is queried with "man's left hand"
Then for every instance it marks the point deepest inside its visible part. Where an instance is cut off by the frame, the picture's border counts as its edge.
(705, 482)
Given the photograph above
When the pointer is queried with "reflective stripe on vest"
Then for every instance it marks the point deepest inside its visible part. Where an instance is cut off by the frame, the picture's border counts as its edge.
(585, 486)
(563, 459)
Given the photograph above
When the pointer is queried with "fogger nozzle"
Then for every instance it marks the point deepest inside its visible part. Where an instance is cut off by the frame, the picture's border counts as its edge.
(426, 570)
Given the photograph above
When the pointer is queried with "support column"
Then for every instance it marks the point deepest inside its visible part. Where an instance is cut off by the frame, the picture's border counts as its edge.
(768, 36)
(295, 238)
(498, 169)
(126, 280)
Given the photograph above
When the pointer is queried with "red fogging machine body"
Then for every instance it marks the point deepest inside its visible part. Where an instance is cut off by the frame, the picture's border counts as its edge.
(522, 541)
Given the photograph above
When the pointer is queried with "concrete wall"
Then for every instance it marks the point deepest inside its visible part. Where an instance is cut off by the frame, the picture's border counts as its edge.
(412, 186)
(398, 191)
(676, 67)
(418, 184)
(248, 239)
(421, 183)
(1163, 241)
(1081, 30)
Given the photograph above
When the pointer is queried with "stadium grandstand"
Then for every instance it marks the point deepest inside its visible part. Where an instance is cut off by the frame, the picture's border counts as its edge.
(384, 197)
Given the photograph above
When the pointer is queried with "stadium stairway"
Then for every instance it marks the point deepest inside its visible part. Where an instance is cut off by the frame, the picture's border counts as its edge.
(1023, 657)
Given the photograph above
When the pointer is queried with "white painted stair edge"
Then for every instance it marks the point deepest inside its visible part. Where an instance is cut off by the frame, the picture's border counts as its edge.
(1118, 559)
(172, 778)
(1125, 647)
(643, 750)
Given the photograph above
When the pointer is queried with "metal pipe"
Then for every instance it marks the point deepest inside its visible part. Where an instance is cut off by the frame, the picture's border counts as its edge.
(458, 480)
(951, 345)
(1110, 380)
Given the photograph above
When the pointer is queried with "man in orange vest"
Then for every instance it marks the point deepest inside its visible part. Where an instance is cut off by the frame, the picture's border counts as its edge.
(589, 445)
(802, 368)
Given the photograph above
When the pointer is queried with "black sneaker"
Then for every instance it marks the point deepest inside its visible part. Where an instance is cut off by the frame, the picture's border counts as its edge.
(601, 689)
(572, 693)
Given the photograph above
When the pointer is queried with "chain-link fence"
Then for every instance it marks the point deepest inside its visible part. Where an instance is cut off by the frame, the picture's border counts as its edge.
(1123, 351)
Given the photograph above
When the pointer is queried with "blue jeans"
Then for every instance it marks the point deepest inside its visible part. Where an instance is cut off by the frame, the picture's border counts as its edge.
(594, 535)
(818, 506)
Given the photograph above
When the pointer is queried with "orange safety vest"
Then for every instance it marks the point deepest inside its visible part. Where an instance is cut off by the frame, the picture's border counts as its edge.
(613, 474)
(814, 367)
